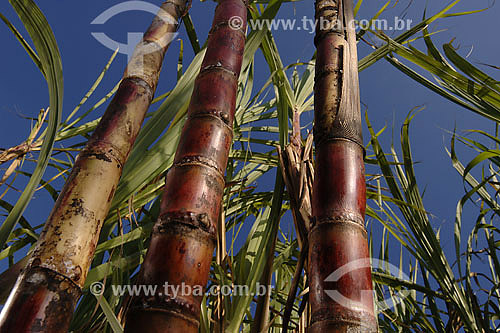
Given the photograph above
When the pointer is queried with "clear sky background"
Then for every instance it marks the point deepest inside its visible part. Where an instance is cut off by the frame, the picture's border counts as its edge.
(386, 93)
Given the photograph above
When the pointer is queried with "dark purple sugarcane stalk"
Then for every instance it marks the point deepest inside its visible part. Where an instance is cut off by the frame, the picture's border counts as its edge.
(338, 237)
(184, 236)
(46, 293)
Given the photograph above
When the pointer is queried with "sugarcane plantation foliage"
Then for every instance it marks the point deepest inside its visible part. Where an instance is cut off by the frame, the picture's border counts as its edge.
(248, 172)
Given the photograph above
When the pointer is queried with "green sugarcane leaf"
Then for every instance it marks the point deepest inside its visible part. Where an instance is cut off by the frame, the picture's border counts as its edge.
(480, 158)
(110, 315)
(89, 93)
(24, 43)
(383, 51)
(469, 69)
(191, 32)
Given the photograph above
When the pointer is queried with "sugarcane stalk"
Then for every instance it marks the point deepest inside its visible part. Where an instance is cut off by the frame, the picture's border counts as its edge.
(338, 236)
(48, 289)
(184, 236)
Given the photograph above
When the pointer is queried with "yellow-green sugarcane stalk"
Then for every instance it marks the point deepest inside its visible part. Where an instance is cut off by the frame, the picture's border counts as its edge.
(46, 293)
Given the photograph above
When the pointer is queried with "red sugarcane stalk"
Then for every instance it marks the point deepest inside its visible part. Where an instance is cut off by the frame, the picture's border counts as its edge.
(184, 237)
(48, 289)
(338, 237)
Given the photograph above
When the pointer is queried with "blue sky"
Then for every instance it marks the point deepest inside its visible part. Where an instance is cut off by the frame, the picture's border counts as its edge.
(386, 94)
